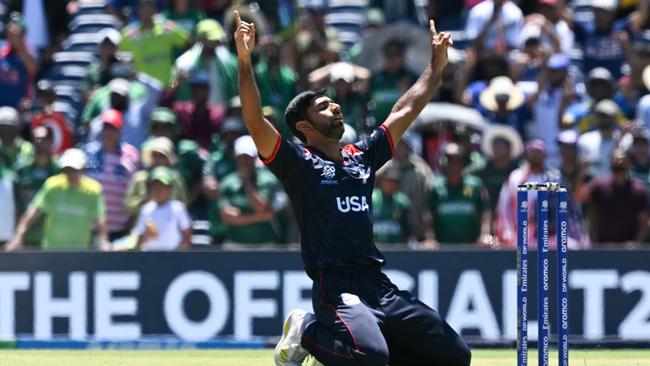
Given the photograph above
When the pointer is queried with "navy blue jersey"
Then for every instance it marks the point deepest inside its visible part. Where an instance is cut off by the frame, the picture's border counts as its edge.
(332, 200)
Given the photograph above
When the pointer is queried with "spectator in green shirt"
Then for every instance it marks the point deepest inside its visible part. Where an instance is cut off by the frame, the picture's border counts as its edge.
(30, 178)
(390, 210)
(73, 204)
(275, 80)
(13, 149)
(459, 204)
(250, 199)
(153, 42)
(185, 14)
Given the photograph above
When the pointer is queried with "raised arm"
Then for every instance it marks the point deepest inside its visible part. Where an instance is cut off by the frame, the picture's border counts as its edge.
(263, 133)
(409, 106)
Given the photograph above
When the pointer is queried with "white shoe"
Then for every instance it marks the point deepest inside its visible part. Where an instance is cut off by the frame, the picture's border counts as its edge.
(289, 351)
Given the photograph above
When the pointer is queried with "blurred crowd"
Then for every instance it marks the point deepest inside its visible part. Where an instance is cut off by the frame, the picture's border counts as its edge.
(121, 124)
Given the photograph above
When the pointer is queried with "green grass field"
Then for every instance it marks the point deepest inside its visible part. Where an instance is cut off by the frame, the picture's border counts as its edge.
(264, 358)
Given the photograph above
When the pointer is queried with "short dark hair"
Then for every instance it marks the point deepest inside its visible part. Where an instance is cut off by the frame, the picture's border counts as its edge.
(297, 110)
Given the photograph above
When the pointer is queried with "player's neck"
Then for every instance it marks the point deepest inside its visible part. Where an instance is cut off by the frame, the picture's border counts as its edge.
(330, 148)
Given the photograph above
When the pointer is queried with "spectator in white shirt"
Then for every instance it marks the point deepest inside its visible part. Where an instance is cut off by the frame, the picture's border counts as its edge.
(494, 25)
(163, 223)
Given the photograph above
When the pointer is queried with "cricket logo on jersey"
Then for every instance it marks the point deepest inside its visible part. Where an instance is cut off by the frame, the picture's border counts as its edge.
(353, 163)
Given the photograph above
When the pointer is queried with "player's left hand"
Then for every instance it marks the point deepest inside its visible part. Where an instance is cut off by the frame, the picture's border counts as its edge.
(440, 42)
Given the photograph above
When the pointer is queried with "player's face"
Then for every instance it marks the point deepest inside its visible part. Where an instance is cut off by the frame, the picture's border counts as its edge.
(326, 117)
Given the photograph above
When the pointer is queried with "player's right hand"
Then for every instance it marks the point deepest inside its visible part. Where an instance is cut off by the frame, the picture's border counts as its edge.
(244, 37)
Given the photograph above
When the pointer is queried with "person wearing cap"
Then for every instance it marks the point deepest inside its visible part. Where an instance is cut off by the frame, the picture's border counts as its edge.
(74, 206)
(185, 13)
(199, 118)
(618, 205)
(250, 199)
(211, 55)
(503, 148)
(18, 65)
(494, 25)
(219, 164)
(555, 92)
(163, 223)
(112, 163)
(595, 147)
(13, 148)
(159, 152)
(30, 178)
(46, 116)
(391, 210)
(581, 115)
(98, 72)
(459, 205)
(153, 42)
(503, 103)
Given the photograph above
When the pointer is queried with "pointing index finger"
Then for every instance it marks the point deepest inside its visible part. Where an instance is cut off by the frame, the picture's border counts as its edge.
(237, 18)
(432, 26)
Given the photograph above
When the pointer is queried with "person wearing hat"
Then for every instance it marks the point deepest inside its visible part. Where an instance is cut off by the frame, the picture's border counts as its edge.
(459, 205)
(74, 205)
(391, 210)
(18, 64)
(31, 176)
(595, 147)
(211, 55)
(158, 152)
(250, 199)
(112, 163)
(163, 223)
(502, 102)
(99, 72)
(153, 41)
(46, 116)
(13, 149)
(502, 147)
(219, 164)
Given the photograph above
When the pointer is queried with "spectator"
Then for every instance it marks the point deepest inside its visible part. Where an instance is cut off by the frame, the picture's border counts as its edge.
(46, 116)
(503, 103)
(112, 163)
(276, 80)
(17, 65)
(199, 118)
(619, 205)
(30, 179)
(502, 146)
(643, 107)
(185, 14)
(494, 26)
(600, 86)
(595, 147)
(73, 204)
(250, 199)
(416, 179)
(13, 148)
(48, 23)
(529, 60)
(135, 99)
(153, 42)
(397, 10)
(555, 92)
(390, 210)
(100, 71)
(387, 86)
(349, 86)
(210, 55)
(459, 204)
(219, 164)
(8, 207)
(159, 152)
(571, 168)
(556, 34)
(639, 155)
(163, 222)
(477, 73)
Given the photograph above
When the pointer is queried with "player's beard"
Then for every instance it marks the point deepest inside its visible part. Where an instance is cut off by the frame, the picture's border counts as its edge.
(333, 130)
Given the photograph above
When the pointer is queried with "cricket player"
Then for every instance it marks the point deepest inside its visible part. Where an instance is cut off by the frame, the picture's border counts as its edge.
(361, 318)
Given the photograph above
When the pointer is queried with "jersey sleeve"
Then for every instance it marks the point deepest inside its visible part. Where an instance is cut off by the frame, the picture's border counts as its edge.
(284, 160)
(378, 147)
(41, 199)
(184, 221)
(139, 227)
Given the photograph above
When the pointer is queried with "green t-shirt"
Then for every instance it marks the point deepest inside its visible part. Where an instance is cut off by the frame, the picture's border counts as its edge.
(386, 89)
(217, 165)
(100, 100)
(29, 179)
(390, 214)
(22, 153)
(153, 50)
(457, 210)
(493, 179)
(231, 193)
(276, 89)
(187, 21)
(70, 212)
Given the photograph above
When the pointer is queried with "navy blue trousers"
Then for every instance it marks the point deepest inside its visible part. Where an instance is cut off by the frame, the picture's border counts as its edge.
(364, 319)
